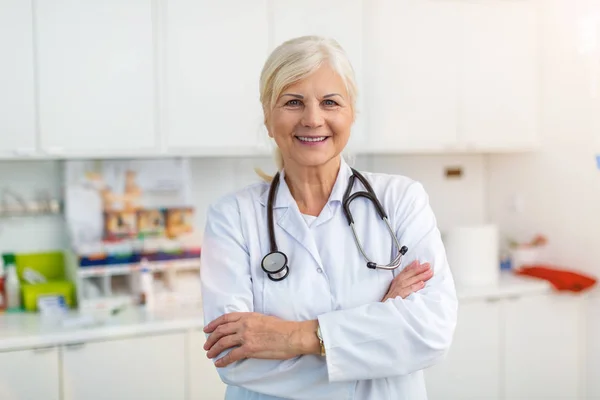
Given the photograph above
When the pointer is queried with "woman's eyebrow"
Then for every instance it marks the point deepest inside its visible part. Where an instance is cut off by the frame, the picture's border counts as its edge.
(331, 95)
(297, 96)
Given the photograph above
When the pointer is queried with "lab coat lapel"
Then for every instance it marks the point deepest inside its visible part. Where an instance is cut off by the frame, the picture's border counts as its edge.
(289, 218)
(337, 194)
(291, 221)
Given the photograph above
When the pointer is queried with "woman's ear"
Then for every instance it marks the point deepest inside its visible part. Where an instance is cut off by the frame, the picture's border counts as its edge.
(268, 128)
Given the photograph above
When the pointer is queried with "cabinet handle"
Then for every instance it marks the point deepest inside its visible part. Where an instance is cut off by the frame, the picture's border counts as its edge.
(492, 299)
(42, 350)
(75, 346)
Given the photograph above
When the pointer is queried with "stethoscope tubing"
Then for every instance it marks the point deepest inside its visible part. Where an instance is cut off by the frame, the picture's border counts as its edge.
(270, 260)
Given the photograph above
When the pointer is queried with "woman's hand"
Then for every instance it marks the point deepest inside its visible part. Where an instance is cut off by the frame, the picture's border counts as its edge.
(254, 335)
(409, 280)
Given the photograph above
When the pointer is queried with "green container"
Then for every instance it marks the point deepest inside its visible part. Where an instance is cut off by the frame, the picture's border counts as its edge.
(52, 266)
(31, 293)
(49, 264)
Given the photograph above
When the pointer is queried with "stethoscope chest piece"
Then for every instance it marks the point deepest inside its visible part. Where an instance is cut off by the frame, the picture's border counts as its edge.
(275, 265)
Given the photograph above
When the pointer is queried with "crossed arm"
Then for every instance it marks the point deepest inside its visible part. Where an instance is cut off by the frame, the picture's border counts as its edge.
(413, 324)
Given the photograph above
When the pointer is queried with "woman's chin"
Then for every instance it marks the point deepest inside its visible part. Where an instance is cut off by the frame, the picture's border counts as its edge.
(315, 159)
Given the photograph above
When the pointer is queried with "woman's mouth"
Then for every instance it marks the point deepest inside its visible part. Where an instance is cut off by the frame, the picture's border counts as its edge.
(312, 140)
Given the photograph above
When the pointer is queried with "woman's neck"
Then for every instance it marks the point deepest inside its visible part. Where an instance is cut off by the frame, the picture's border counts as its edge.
(312, 186)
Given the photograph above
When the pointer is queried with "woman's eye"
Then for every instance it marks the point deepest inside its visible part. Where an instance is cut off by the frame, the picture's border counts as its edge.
(330, 103)
(293, 103)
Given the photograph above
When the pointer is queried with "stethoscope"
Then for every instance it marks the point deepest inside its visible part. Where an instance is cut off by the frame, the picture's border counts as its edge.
(275, 264)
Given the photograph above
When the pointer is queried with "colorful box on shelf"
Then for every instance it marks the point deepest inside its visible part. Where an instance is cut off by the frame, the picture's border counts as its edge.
(151, 249)
(148, 223)
(42, 275)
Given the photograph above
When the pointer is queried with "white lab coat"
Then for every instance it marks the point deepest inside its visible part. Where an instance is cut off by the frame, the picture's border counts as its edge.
(375, 350)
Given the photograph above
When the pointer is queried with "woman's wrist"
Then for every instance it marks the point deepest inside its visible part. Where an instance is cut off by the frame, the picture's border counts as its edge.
(304, 338)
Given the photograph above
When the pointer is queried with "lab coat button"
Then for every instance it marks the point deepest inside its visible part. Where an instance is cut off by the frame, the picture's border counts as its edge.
(319, 270)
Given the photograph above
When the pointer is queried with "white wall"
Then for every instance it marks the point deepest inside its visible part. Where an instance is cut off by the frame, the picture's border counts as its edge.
(454, 201)
(560, 185)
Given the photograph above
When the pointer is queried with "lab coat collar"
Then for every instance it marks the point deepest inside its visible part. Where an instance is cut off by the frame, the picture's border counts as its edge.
(289, 218)
(284, 198)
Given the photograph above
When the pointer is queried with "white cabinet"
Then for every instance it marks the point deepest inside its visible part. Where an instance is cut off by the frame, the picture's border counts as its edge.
(412, 65)
(341, 20)
(149, 368)
(471, 369)
(204, 381)
(514, 348)
(30, 374)
(96, 64)
(499, 75)
(542, 354)
(452, 76)
(213, 55)
(17, 100)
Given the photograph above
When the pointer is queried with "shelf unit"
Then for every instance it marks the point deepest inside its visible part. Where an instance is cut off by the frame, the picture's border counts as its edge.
(176, 282)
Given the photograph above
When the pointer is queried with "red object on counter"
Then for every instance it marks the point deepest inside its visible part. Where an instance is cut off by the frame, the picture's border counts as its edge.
(561, 279)
(2, 292)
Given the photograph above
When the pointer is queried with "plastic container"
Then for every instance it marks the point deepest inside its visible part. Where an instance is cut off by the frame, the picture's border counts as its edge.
(13, 289)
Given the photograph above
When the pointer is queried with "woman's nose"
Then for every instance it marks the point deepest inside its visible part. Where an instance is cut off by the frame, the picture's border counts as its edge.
(312, 116)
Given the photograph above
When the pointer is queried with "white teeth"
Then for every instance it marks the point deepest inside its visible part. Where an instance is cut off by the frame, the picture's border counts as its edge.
(312, 139)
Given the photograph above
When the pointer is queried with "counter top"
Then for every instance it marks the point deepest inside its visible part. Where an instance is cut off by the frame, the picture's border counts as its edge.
(23, 331)
(28, 330)
(509, 285)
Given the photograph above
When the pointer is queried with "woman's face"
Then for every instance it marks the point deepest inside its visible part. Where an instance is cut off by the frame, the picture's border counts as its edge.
(311, 119)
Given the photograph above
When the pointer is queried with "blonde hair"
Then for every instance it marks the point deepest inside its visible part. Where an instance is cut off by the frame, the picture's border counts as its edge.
(293, 61)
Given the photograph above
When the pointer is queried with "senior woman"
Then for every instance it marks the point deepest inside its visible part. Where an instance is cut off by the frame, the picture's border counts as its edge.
(299, 303)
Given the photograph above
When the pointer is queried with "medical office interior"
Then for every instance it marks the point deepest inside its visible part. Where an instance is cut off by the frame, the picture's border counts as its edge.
(126, 119)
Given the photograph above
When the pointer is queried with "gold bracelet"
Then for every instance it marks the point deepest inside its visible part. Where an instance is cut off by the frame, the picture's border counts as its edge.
(321, 341)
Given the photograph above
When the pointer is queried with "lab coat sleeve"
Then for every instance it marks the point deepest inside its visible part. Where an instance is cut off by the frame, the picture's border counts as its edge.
(400, 336)
(227, 287)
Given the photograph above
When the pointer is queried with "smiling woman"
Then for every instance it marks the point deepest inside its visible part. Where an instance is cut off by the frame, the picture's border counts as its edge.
(301, 78)
(337, 319)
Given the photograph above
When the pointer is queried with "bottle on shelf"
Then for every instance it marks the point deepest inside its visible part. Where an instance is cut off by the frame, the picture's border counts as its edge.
(12, 288)
(146, 285)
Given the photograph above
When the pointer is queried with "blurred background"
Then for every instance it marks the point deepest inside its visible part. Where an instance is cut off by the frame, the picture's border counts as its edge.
(123, 120)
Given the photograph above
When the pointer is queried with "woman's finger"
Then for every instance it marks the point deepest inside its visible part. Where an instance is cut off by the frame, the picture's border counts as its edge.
(415, 287)
(219, 332)
(423, 276)
(231, 357)
(226, 342)
(403, 292)
(412, 271)
(223, 319)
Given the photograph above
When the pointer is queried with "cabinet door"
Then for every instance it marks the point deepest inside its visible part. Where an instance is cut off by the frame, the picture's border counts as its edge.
(341, 20)
(471, 369)
(96, 76)
(204, 381)
(214, 52)
(542, 348)
(500, 75)
(412, 65)
(592, 346)
(29, 374)
(149, 368)
(17, 118)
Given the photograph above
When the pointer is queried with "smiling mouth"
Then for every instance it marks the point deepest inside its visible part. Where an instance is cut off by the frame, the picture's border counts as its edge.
(311, 139)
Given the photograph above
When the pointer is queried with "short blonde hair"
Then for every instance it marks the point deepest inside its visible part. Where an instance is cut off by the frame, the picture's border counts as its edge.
(293, 61)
